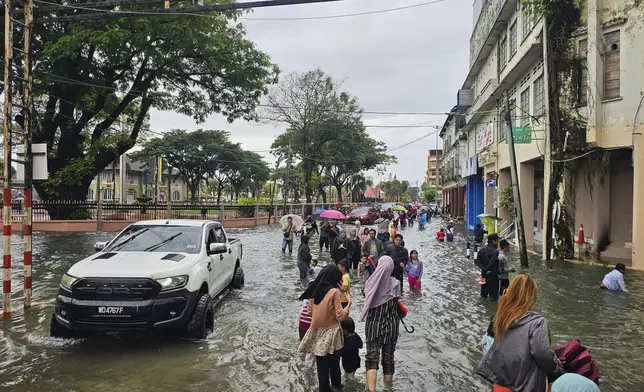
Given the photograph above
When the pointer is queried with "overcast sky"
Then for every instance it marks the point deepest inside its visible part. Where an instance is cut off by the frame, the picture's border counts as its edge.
(411, 60)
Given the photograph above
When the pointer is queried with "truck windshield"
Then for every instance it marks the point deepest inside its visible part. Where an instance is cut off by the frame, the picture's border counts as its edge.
(162, 238)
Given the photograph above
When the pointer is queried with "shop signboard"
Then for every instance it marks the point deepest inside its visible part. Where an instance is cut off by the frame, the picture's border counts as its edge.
(471, 166)
(521, 135)
(485, 137)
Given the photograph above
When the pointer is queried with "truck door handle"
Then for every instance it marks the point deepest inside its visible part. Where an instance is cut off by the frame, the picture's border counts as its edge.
(221, 257)
(230, 250)
(209, 266)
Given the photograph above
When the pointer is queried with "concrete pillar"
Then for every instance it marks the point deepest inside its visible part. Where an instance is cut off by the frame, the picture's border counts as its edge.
(526, 187)
(638, 195)
(488, 199)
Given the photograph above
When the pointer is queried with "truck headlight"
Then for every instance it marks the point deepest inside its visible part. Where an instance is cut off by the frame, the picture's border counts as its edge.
(173, 282)
(67, 281)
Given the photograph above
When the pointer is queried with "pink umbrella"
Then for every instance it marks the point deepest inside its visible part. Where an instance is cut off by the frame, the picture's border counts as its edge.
(333, 214)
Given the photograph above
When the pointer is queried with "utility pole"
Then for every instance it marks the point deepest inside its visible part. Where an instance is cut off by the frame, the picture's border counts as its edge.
(6, 183)
(523, 251)
(437, 165)
(29, 159)
(169, 205)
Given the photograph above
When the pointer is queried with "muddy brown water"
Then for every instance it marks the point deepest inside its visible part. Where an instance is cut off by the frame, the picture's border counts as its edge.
(253, 346)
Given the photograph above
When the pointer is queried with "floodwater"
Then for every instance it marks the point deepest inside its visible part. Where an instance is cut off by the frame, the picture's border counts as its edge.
(253, 346)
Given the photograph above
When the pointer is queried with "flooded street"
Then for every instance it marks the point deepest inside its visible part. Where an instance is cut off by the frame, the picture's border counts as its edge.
(253, 347)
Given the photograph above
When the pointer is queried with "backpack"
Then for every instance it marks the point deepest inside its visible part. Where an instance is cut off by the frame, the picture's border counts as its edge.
(578, 359)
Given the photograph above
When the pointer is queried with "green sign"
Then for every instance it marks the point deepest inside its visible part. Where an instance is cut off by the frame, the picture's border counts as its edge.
(521, 135)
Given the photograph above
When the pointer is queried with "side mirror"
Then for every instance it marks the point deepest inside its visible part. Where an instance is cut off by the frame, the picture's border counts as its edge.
(216, 249)
(99, 246)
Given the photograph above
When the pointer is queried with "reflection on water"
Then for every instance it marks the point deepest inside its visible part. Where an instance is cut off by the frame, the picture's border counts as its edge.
(253, 347)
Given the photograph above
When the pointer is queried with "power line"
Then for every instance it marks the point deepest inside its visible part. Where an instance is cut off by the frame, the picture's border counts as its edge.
(55, 6)
(110, 14)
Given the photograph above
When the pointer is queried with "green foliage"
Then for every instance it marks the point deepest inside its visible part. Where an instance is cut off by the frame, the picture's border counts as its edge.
(395, 190)
(96, 81)
(429, 195)
(144, 201)
(506, 201)
(325, 131)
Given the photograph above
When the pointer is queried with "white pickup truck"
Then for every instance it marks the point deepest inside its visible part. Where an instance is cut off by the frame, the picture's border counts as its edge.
(154, 274)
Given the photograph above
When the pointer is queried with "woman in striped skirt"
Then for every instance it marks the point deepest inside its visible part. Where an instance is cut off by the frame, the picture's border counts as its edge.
(381, 315)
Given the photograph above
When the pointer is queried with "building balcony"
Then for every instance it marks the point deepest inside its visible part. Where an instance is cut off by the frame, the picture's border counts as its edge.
(488, 28)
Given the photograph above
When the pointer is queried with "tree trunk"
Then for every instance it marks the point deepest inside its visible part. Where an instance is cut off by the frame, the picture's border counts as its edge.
(339, 189)
(308, 192)
(68, 198)
(322, 193)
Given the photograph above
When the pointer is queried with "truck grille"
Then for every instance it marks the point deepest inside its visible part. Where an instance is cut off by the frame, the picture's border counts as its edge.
(115, 289)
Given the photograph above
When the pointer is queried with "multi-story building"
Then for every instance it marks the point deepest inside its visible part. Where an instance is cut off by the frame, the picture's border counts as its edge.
(432, 168)
(508, 51)
(453, 158)
(139, 180)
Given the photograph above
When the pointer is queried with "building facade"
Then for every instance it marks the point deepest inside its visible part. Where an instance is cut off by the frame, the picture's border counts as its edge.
(431, 178)
(452, 162)
(508, 58)
(139, 180)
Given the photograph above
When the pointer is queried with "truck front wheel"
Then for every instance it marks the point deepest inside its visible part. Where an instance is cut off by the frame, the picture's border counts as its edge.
(238, 279)
(203, 319)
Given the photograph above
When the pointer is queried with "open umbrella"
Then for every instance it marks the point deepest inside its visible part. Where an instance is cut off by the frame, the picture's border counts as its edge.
(333, 214)
(297, 220)
(399, 208)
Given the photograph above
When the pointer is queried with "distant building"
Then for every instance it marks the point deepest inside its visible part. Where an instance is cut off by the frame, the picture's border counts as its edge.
(139, 179)
(432, 164)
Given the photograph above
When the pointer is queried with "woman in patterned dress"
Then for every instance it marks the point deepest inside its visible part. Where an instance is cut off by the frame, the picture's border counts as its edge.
(325, 338)
(381, 314)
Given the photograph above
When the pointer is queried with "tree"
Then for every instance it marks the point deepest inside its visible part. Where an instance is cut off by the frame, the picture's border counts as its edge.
(259, 172)
(430, 194)
(187, 152)
(95, 82)
(357, 185)
(305, 102)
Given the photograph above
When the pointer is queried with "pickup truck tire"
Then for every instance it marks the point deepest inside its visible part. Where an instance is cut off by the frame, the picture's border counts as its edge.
(202, 320)
(238, 279)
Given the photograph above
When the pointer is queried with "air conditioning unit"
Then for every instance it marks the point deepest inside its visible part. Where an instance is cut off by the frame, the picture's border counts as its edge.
(462, 135)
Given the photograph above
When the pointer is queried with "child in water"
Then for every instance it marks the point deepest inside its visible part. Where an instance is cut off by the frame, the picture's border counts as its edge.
(414, 270)
(362, 266)
(352, 344)
(313, 271)
(440, 236)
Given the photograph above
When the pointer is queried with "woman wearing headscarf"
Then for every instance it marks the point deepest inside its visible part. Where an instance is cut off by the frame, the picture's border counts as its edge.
(382, 322)
(325, 337)
(340, 247)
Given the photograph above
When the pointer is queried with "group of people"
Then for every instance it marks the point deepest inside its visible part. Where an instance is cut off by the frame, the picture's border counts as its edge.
(327, 333)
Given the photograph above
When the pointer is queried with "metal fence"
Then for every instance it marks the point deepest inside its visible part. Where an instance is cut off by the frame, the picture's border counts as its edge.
(68, 210)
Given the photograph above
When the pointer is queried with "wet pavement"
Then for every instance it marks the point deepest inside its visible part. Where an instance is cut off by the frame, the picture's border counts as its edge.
(254, 344)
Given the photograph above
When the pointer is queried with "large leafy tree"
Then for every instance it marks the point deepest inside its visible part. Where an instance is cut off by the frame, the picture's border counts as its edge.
(187, 152)
(306, 102)
(94, 83)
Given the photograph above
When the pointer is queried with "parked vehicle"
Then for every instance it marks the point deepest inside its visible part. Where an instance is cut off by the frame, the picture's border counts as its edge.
(366, 215)
(155, 274)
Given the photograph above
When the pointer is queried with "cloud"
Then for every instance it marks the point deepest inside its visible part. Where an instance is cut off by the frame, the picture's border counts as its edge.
(410, 60)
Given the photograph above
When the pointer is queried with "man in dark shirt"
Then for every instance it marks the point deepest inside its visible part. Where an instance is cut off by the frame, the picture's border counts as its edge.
(401, 257)
(487, 260)
(479, 233)
(388, 244)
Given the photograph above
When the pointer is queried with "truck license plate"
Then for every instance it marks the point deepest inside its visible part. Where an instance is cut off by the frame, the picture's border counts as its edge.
(110, 310)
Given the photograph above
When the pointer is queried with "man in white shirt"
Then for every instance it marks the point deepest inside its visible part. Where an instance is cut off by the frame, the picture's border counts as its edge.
(614, 280)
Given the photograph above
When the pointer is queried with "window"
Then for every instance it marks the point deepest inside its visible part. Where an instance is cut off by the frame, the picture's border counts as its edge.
(527, 23)
(108, 194)
(106, 175)
(611, 65)
(582, 79)
(503, 53)
(539, 97)
(525, 107)
(90, 194)
(513, 39)
(131, 193)
(176, 196)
